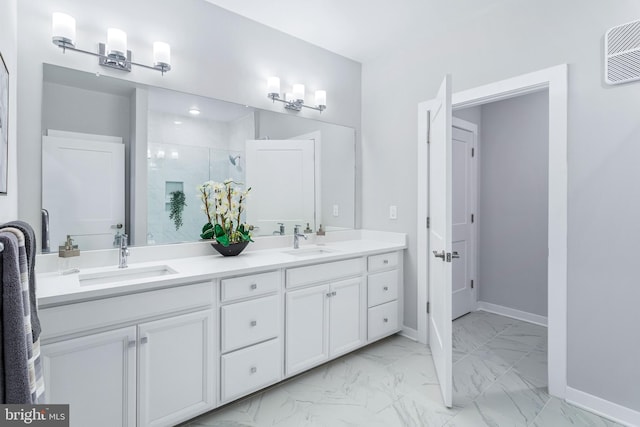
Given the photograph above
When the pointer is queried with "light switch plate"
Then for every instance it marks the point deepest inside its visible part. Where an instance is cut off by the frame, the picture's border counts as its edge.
(336, 210)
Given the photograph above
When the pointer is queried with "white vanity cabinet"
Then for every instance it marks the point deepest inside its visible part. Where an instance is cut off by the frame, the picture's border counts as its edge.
(176, 364)
(96, 375)
(323, 319)
(250, 329)
(383, 292)
(145, 359)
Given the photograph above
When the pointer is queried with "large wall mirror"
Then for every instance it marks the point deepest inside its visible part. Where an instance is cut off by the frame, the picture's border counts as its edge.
(117, 156)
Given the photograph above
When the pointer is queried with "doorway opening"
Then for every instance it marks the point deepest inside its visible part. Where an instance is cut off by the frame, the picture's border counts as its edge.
(555, 81)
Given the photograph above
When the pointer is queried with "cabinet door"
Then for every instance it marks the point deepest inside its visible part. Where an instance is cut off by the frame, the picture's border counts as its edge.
(307, 339)
(176, 368)
(96, 376)
(347, 316)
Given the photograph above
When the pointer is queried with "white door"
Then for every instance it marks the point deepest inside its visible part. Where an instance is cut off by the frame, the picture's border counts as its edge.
(106, 361)
(440, 247)
(463, 216)
(347, 316)
(307, 342)
(176, 363)
(83, 190)
(281, 175)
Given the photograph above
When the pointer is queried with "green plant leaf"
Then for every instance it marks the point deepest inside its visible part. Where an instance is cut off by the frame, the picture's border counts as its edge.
(208, 226)
(208, 234)
(221, 235)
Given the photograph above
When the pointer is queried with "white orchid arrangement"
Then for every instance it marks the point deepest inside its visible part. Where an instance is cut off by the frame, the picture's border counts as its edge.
(223, 203)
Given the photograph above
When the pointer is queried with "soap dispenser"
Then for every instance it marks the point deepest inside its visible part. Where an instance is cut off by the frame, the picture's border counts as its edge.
(67, 257)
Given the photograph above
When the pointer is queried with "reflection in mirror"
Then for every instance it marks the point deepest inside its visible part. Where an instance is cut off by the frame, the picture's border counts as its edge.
(301, 171)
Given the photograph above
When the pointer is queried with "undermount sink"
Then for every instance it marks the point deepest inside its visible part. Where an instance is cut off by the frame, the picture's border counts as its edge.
(314, 251)
(125, 274)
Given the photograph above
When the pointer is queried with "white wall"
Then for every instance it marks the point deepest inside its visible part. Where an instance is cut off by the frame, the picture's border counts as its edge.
(499, 40)
(8, 48)
(214, 53)
(513, 203)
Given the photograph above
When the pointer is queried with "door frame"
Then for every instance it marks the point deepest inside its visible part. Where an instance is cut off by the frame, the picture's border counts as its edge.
(553, 79)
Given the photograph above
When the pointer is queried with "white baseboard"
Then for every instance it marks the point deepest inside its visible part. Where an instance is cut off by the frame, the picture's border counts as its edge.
(410, 333)
(513, 313)
(597, 405)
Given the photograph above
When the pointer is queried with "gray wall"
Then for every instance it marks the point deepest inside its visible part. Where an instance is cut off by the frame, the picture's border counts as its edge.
(513, 203)
(215, 53)
(8, 47)
(79, 110)
(498, 40)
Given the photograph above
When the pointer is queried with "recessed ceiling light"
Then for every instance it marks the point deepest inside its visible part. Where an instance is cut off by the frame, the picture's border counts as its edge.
(194, 111)
(177, 122)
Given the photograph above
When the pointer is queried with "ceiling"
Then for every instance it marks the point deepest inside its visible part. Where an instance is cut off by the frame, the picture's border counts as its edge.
(358, 29)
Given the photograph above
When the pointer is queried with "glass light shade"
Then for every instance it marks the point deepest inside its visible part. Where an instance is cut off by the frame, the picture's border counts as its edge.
(273, 85)
(160, 154)
(116, 43)
(162, 55)
(298, 92)
(321, 98)
(289, 97)
(63, 30)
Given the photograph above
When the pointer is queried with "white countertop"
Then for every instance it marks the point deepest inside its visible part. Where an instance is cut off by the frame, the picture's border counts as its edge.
(53, 288)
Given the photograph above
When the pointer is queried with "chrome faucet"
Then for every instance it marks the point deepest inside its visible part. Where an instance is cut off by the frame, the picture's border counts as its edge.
(296, 237)
(281, 231)
(123, 251)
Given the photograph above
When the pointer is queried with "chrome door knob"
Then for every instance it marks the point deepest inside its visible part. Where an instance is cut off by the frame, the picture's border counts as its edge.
(439, 254)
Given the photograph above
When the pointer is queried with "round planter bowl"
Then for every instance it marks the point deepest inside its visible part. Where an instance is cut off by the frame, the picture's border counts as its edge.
(231, 250)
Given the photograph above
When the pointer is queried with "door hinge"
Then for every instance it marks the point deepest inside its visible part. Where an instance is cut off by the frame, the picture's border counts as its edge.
(473, 152)
(473, 218)
(428, 307)
(471, 283)
(428, 222)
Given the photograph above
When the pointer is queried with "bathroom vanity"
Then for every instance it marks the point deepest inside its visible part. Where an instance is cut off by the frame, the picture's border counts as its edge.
(163, 341)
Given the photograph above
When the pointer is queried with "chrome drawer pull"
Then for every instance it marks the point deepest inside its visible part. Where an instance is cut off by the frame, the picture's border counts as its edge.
(144, 340)
(386, 261)
(254, 286)
(132, 343)
(333, 294)
(328, 294)
(254, 322)
(253, 370)
(385, 320)
(386, 288)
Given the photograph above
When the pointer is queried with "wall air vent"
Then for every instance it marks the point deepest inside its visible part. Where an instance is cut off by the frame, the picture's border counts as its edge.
(622, 53)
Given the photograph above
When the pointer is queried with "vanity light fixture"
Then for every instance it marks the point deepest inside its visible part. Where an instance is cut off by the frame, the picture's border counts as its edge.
(114, 53)
(295, 99)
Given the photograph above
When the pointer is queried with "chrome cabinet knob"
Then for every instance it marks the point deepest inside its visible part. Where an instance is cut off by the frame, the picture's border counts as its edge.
(254, 322)
(254, 286)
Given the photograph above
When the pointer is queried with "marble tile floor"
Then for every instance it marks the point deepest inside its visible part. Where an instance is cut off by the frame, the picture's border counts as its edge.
(499, 381)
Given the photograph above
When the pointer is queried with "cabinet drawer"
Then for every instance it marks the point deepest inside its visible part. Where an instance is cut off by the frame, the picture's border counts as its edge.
(248, 322)
(249, 369)
(323, 272)
(247, 286)
(383, 320)
(382, 287)
(382, 261)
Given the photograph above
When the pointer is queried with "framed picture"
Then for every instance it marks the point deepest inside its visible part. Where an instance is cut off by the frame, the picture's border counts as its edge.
(4, 125)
